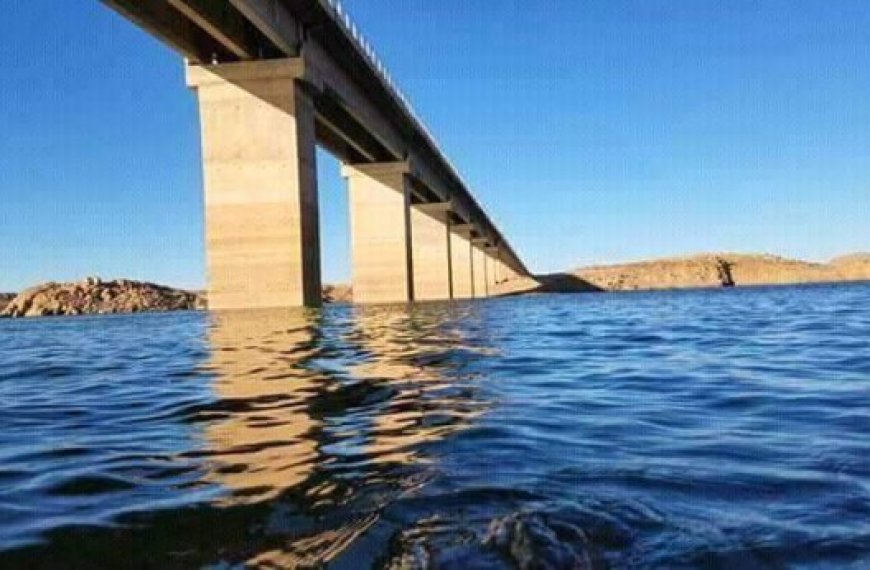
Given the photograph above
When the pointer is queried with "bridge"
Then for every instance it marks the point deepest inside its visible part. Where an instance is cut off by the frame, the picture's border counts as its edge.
(276, 78)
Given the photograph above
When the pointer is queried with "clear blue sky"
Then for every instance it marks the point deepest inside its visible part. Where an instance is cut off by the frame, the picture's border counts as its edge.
(593, 131)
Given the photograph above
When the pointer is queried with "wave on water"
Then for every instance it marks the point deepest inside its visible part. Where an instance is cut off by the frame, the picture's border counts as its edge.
(695, 429)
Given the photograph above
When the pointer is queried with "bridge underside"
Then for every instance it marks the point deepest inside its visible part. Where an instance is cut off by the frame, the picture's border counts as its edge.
(275, 78)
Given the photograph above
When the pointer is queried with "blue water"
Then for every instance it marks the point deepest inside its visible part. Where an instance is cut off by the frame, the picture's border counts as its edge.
(702, 429)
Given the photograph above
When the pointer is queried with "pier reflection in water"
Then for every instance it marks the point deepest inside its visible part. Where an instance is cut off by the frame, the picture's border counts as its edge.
(327, 421)
(265, 438)
(697, 429)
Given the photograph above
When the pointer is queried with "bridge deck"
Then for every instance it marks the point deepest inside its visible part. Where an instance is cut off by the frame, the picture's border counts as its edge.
(361, 114)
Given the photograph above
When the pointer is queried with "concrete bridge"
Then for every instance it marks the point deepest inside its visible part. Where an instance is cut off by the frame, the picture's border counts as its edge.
(275, 78)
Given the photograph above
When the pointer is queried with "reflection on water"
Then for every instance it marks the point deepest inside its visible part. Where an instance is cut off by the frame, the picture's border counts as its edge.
(706, 429)
(296, 429)
(263, 441)
(329, 431)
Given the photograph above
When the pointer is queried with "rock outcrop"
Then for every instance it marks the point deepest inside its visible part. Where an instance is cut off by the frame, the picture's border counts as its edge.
(340, 293)
(725, 270)
(94, 296)
(700, 271)
(855, 267)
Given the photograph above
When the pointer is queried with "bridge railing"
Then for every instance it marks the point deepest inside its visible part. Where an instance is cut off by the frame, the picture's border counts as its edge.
(341, 16)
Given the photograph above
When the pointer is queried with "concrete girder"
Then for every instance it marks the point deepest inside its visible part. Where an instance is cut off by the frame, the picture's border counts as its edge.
(329, 80)
(274, 21)
(168, 25)
(225, 24)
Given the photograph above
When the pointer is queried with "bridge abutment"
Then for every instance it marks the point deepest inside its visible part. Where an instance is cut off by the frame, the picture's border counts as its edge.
(259, 173)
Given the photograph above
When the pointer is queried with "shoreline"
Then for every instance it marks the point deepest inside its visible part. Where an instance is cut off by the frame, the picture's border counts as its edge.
(700, 272)
(703, 271)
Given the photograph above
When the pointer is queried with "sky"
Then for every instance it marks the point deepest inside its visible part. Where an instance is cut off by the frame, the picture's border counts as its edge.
(592, 131)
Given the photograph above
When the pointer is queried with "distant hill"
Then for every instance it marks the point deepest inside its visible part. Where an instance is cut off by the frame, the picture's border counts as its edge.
(337, 293)
(708, 270)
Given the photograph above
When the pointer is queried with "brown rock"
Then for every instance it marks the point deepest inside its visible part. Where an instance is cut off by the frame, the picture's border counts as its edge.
(701, 271)
(338, 293)
(94, 296)
(5, 299)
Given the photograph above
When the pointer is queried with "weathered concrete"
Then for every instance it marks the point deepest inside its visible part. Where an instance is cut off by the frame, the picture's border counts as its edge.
(380, 229)
(460, 251)
(258, 150)
(493, 267)
(431, 251)
(479, 267)
(261, 119)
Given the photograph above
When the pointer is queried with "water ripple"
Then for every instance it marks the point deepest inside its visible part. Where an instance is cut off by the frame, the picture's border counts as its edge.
(700, 429)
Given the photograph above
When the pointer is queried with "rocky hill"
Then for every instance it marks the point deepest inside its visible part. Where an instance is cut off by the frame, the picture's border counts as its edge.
(339, 293)
(700, 271)
(94, 296)
(855, 267)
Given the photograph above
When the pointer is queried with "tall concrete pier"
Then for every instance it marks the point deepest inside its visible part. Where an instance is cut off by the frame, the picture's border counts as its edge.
(276, 78)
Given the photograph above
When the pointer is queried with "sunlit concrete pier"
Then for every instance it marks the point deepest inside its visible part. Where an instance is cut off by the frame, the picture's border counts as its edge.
(276, 78)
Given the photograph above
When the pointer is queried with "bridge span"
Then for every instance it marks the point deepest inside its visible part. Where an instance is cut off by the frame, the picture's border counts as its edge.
(275, 78)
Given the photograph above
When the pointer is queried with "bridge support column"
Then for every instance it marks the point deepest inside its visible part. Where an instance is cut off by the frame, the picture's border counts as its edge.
(460, 252)
(431, 252)
(261, 210)
(380, 228)
(491, 268)
(479, 267)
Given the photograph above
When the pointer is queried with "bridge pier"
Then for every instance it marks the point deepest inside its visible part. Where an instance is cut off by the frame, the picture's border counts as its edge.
(462, 275)
(493, 267)
(430, 229)
(259, 172)
(380, 228)
(479, 268)
(261, 120)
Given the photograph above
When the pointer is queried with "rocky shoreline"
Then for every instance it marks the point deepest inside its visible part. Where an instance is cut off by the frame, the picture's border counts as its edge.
(94, 296)
(724, 270)
(696, 272)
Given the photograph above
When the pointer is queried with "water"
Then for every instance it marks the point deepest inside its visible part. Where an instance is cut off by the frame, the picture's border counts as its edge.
(706, 429)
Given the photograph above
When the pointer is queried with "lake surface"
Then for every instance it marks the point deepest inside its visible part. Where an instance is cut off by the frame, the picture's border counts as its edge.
(702, 429)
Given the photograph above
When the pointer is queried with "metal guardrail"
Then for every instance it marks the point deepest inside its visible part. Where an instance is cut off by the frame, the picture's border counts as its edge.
(341, 16)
